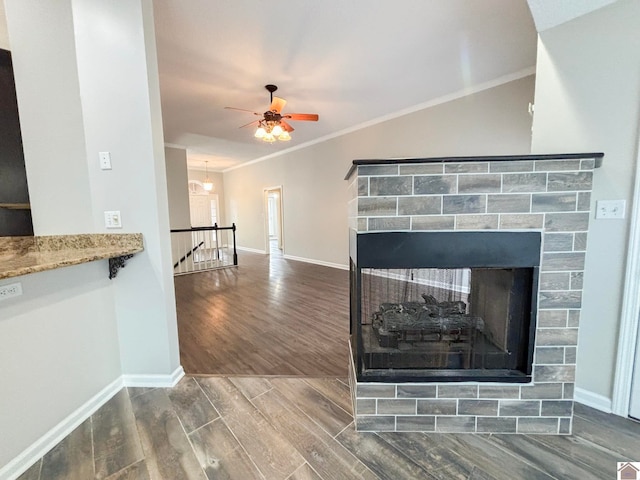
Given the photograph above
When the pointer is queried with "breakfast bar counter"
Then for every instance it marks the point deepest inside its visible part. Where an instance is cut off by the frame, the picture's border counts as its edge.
(25, 255)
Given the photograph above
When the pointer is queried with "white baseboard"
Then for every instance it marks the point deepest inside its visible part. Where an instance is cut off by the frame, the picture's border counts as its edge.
(317, 262)
(252, 250)
(36, 450)
(155, 381)
(33, 453)
(593, 400)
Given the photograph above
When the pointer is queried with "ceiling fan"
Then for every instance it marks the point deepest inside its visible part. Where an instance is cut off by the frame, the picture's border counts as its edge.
(274, 125)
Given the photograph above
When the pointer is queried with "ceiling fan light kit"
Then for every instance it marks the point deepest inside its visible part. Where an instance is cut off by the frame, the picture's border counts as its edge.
(273, 126)
(284, 136)
(260, 132)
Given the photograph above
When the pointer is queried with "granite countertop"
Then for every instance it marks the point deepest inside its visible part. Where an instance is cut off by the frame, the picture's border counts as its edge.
(24, 255)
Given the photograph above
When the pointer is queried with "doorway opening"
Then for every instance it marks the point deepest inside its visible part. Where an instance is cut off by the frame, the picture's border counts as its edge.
(274, 227)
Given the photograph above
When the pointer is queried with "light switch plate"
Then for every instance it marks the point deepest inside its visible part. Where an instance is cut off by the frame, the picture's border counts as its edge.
(105, 160)
(112, 219)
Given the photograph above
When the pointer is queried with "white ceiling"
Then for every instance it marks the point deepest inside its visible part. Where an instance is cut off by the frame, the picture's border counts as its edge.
(349, 61)
(354, 62)
(550, 13)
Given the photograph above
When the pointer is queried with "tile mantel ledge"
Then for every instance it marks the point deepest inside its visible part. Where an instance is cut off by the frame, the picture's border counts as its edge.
(25, 255)
(597, 156)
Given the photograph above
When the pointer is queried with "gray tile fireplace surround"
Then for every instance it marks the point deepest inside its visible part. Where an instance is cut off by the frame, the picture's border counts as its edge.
(550, 194)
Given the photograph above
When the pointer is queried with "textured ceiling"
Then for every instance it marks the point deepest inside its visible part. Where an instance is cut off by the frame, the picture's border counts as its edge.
(349, 61)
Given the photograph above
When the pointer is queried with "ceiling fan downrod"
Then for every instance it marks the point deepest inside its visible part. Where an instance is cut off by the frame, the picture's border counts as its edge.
(271, 89)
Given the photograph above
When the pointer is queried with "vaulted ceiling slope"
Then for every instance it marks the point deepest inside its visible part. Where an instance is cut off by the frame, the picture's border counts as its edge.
(350, 61)
(354, 62)
(550, 13)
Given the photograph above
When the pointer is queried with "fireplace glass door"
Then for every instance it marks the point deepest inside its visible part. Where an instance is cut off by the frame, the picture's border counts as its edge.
(436, 323)
(430, 318)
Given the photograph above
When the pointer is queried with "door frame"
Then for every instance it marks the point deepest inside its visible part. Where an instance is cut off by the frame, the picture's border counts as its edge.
(278, 189)
(629, 316)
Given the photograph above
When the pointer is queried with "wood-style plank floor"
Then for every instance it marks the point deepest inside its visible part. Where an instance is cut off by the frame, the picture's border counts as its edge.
(268, 316)
(277, 428)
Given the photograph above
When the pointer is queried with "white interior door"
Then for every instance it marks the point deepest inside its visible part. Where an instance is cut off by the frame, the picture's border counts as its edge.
(273, 216)
(634, 407)
(200, 211)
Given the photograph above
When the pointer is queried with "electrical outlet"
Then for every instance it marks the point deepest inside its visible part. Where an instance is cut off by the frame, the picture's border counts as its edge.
(105, 160)
(11, 290)
(610, 209)
(112, 219)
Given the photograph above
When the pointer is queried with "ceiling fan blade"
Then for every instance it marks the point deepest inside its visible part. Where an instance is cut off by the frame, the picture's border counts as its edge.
(310, 117)
(277, 104)
(286, 127)
(242, 110)
(255, 122)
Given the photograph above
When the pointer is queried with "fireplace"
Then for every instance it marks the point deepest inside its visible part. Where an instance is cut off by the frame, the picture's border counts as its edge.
(466, 289)
(444, 306)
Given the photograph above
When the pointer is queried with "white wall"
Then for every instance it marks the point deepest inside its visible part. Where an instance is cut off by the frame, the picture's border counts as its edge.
(58, 348)
(46, 74)
(59, 345)
(86, 81)
(4, 34)
(492, 121)
(178, 198)
(118, 78)
(177, 187)
(587, 97)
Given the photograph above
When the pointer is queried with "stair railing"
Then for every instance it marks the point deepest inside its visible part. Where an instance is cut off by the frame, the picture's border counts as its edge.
(199, 249)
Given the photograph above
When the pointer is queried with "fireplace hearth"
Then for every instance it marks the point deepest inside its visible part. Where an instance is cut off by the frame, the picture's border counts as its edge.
(466, 289)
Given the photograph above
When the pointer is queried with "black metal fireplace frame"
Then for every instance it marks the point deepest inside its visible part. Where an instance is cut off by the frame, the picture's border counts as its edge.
(393, 250)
